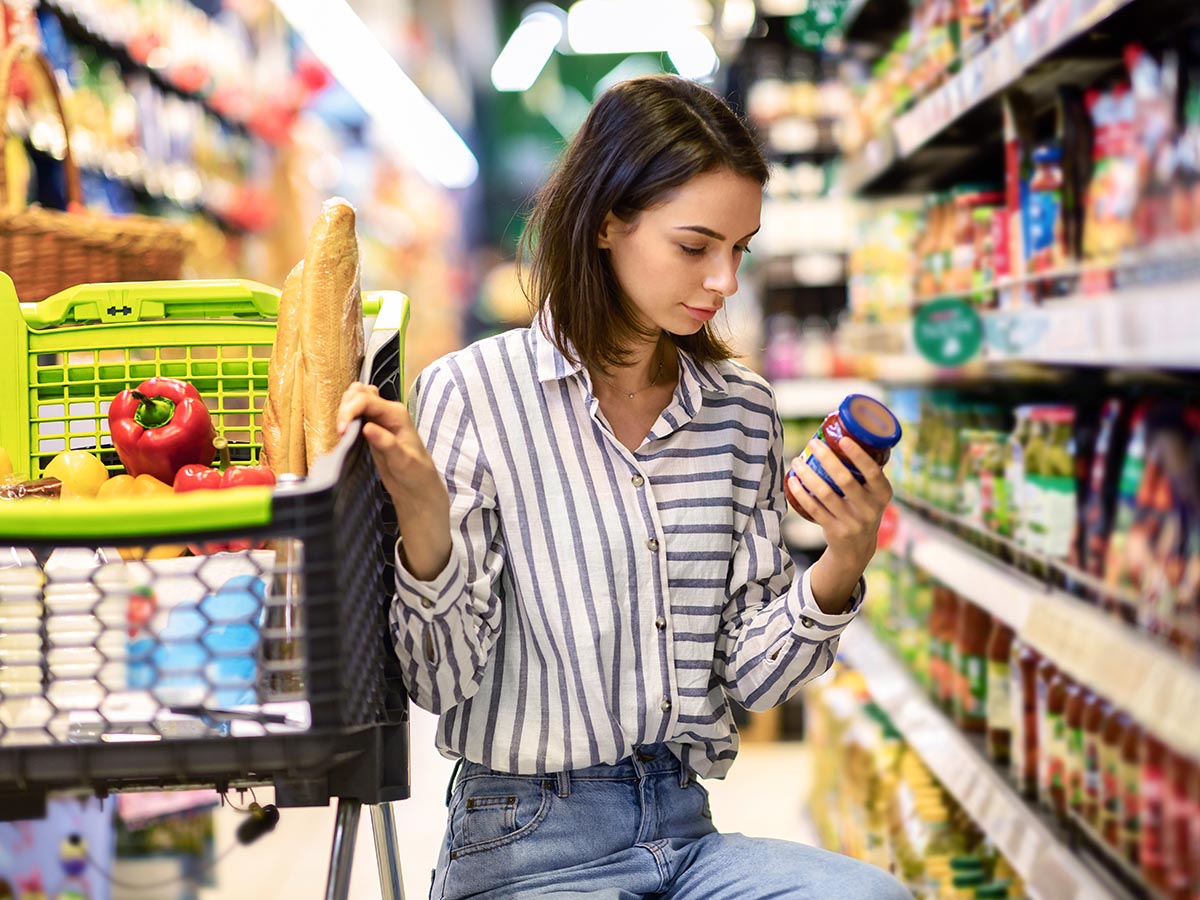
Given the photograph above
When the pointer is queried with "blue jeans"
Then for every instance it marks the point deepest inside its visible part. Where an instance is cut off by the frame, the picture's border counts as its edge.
(638, 829)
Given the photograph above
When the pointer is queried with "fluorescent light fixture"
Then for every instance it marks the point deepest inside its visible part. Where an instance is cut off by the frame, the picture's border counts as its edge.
(737, 19)
(403, 115)
(630, 26)
(692, 55)
(529, 49)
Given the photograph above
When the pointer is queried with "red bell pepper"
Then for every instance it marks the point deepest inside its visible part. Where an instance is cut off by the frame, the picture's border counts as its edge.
(206, 478)
(160, 428)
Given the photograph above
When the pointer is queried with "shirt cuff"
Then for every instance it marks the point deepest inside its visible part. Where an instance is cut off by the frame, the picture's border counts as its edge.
(807, 618)
(433, 598)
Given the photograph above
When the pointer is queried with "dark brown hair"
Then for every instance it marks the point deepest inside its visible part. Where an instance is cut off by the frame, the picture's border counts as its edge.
(643, 139)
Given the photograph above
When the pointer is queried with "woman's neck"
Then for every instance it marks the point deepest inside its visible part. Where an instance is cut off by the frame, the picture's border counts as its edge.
(645, 365)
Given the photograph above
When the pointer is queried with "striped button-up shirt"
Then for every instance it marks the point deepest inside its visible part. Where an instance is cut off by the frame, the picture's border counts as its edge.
(598, 598)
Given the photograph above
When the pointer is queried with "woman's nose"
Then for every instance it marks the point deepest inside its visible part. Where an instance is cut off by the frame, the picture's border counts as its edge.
(723, 281)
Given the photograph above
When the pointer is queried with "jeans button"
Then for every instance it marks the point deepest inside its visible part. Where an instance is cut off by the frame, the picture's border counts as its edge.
(652, 545)
(660, 623)
(638, 480)
(665, 706)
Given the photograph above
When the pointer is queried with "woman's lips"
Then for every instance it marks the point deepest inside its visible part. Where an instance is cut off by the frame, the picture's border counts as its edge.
(700, 313)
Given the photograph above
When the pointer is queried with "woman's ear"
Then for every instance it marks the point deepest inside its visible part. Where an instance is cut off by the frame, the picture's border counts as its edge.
(608, 231)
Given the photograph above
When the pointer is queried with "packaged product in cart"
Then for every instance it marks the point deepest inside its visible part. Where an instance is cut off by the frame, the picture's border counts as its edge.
(87, 601)
(24, 710)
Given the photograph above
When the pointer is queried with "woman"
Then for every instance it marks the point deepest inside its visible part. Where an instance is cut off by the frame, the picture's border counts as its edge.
(590, 565)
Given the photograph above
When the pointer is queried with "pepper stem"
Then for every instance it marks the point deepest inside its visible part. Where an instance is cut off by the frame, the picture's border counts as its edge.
(222, 446)
(153, 412)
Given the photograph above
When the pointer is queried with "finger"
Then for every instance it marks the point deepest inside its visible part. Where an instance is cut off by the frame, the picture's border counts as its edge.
(836, 469)
(367, 404)
(820, 490)
(864, 462)
(807, 502)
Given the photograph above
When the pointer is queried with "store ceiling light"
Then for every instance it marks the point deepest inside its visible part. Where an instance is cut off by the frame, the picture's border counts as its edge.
(529, 49)
(737, 19)
(405, 117)
(693, 55)
(632, 26)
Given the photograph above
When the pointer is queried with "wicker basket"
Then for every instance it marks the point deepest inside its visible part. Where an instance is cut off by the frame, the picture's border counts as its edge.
(46, 251)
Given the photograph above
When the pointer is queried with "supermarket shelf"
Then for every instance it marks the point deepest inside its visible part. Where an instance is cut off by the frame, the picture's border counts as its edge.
(1016, 56)
(1050, 866)
(813, 398)
(1149, 325)
(78, 31)
(1156, 686)
(1154, 326)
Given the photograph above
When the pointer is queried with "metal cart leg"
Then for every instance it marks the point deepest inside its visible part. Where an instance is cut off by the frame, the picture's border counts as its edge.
(345, 831)
(387, 853)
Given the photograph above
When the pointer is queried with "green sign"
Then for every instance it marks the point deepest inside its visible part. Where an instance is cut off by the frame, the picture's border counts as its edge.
(820, 19)
(948, 332)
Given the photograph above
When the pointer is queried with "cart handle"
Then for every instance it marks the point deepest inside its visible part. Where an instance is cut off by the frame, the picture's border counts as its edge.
(153, 300)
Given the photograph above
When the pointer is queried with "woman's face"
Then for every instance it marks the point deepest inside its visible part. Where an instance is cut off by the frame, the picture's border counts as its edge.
(677, 262)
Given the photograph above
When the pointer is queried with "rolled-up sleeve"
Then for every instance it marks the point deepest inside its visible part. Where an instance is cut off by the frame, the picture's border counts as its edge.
(774, 637)
(444, 629)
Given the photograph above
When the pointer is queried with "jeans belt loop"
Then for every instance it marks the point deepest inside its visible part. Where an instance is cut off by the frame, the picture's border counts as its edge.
(564, 783)
(685, 776)
(458, 764)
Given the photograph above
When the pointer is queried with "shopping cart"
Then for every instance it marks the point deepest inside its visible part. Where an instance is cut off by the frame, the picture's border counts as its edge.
(127, 663)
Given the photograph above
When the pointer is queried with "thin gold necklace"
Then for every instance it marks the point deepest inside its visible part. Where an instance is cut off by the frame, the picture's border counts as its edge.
(632, 394)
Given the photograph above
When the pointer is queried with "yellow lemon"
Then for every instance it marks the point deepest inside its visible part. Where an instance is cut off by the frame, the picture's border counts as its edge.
(80, 472)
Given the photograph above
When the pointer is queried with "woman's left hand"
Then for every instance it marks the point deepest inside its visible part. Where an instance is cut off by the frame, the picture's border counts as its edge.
(850, 522)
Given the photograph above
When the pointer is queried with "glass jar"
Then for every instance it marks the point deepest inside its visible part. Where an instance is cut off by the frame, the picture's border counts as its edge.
(865, 420)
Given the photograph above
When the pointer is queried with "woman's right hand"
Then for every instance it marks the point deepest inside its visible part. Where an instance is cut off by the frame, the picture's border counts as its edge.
(408, 473)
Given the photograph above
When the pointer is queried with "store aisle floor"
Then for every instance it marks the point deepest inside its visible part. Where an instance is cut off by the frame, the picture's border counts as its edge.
(764, 796)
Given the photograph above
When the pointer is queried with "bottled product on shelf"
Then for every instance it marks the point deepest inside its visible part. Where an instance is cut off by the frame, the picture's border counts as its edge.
(1060, 743)
(882, 804)
(1101, 496)
(1108, 199)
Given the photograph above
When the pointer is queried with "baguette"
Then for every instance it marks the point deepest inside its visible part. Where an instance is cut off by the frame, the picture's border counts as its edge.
(283, 413)
(331, 323)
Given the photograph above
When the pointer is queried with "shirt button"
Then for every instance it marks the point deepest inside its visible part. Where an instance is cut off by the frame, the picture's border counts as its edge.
(660, 623)
(427, 603)
(806, 622)
(652, 545)
(665, 706)
(638, 480)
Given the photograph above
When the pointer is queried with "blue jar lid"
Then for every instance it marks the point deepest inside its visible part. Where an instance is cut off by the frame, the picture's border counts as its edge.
(869, 422)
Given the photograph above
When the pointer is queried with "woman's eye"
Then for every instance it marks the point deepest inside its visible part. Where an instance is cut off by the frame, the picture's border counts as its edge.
(691, 251)
(741, 249)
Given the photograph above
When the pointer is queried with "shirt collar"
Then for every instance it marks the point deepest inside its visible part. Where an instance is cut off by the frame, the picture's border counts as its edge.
(553, 365)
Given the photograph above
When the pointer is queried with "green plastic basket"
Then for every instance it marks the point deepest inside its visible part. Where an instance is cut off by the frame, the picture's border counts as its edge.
(72, 353)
